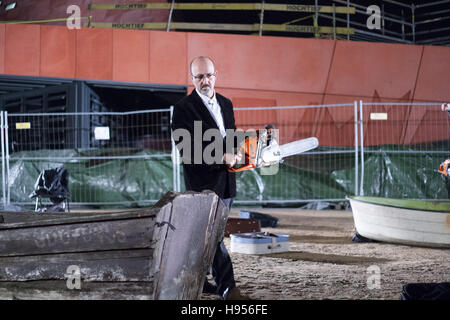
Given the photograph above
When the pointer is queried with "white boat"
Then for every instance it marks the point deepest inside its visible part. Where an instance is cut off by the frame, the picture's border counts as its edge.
(404, 221)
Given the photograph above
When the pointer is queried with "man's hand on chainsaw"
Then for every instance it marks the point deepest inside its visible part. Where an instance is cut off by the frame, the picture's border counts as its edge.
(231, 159)
(266, 164)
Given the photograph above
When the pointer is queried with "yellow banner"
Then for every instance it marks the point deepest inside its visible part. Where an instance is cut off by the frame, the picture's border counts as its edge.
(224, 26)
(222, 6)
(23, 125)
(306, 29)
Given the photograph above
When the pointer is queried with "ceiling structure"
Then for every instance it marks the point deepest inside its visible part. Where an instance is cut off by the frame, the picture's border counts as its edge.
(413, 22)
(400, 21)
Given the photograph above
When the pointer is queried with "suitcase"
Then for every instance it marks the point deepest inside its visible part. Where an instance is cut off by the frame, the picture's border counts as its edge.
(259, 243)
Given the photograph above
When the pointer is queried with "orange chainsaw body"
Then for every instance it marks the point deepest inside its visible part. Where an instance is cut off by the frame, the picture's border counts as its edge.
(444, 167)
(248, 150)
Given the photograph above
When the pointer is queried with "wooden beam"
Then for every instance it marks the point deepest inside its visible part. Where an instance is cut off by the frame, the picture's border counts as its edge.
(57, 290)
(77, 237)
(116, 265)
(162, 252)
(177, 278)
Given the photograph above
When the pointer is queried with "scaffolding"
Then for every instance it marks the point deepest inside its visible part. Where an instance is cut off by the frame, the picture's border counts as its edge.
(399, 21)
(337, 19)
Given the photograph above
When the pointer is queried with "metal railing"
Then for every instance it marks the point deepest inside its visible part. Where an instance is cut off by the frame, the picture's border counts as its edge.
(406, 142)
(425, 23)
(112, 158)
(129, 159)
(306, 177)
(400, 22)
(343, 19)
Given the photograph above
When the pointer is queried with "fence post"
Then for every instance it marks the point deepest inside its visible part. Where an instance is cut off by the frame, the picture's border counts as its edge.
(348, 21)
(175, 159)
(3, 160)
(356, 147)
(8, 196)
(170, 16)
(361, 125)
(174, 164)
(413, 21)
(261, 19)
(334, 22)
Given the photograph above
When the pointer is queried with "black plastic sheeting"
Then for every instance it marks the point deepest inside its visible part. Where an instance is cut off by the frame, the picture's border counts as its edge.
(131, 180)
(300, 178)
(395, 172)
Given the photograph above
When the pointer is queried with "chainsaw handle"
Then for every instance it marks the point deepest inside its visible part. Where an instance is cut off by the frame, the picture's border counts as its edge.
(238, 168)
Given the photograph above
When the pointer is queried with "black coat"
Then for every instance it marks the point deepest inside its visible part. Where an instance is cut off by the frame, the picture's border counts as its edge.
(199, 177)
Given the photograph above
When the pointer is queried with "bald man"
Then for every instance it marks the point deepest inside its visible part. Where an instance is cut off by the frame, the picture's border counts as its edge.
(214, 112)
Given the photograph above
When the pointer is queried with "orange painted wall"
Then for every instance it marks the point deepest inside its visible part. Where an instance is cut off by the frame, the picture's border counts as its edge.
(58, 52)
(252, 71)
(22, 49)
(130, 55)
(2, 48)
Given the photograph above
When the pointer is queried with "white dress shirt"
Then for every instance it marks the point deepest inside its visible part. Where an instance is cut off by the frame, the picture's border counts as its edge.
(214, 108)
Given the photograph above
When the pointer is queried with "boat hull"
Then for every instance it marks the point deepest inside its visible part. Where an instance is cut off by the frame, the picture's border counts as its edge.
(161, 252)
(394, 222)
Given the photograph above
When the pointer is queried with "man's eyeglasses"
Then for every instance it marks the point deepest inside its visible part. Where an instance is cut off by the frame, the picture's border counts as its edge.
(199, 77)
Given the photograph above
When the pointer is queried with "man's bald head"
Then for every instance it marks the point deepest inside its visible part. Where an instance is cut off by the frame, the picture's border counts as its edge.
(200, 61)
(203, 74)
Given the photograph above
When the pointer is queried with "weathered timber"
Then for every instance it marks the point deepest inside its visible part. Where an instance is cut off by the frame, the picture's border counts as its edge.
(57, 290)
(159, 252)
(115, 265)
(186, 255)
(77, 237)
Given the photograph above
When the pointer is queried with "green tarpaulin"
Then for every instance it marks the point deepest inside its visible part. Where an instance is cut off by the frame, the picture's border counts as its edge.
(132, 177)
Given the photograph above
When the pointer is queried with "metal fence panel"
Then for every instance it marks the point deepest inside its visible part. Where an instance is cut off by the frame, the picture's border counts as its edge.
(403, 145)
(116, 159)
(127, 159)
(311, 176)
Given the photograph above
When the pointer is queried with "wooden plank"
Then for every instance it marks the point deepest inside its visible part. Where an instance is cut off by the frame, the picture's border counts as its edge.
(25, 216)
(188, 251)
(177, 247)
(77, 237)
(32, 219)
(116, 265)
(162, 226)
(57, 290)
(8, 217)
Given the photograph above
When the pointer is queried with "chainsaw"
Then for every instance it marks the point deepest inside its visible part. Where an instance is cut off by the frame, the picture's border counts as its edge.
(446, 107)
(263, 149)
(444, 168)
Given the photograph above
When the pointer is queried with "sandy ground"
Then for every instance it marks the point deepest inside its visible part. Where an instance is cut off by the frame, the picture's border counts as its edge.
(324, 263)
